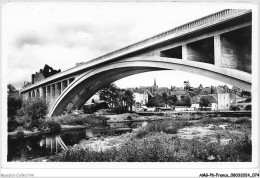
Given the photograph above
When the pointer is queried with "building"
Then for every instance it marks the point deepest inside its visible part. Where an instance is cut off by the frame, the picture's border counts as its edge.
(223, 98)
(152, 89)
(47, 71)
(140, 98)
(213, 104)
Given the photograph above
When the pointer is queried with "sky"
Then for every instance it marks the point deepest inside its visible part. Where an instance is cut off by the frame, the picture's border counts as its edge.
(61, 34)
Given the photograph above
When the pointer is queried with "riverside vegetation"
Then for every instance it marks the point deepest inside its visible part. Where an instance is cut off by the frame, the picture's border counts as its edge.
(160, 142)
(226, 139)
(27, 116)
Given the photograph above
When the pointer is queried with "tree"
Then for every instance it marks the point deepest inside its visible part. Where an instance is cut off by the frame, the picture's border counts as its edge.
(129, 98)
(248, 100)
(172, 99)
(185, 101)
(14, 103)
(204, 102)
(110, 94)
(152, 102)
(36, 108)
(11, 88)
(164, 97)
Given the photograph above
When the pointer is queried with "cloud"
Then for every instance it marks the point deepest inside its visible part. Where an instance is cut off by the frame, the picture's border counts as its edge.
(61, 34)
(29, 39)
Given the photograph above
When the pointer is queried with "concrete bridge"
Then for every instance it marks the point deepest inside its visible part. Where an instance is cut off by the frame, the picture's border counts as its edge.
(217, 46)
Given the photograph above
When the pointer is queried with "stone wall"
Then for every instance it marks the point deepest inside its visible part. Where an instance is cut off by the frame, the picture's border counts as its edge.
(47, 71)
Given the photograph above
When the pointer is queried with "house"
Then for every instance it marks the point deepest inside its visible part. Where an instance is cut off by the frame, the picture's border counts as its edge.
(140, 97)
(213, 105)
(223, 98)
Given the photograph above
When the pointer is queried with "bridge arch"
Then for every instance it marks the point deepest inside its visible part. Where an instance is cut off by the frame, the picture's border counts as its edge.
(91, 81)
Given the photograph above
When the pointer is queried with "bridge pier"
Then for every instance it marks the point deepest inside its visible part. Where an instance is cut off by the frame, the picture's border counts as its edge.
(217, 51)
(184, 52)
(48, 93)
(236, 49)
(52, 94)
(40, 92)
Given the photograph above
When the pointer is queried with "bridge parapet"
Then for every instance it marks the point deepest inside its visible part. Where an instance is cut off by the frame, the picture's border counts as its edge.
(207, 20)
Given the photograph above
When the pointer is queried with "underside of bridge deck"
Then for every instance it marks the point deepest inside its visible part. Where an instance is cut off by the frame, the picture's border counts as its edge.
(86, 85)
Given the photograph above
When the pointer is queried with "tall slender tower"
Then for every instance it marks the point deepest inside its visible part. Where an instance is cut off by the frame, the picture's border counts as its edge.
(154, 87)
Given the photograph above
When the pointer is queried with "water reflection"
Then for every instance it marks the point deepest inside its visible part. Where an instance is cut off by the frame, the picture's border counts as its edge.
(22, 149)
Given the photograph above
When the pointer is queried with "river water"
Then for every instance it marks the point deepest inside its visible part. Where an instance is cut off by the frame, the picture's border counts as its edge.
(22, 149)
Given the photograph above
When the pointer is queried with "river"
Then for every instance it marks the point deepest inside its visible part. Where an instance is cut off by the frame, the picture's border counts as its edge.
(23, 149)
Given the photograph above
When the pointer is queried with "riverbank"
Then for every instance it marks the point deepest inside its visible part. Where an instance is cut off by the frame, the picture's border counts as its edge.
(214, 139)
(28, 133)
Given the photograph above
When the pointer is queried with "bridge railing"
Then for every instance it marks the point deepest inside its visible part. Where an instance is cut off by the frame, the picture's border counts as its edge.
(187, 26)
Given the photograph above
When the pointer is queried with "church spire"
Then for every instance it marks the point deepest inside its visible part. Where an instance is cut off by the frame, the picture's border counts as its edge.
(154, 82)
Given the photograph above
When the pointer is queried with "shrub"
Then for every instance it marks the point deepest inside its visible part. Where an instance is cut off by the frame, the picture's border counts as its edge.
(242, 120)
(158, 147)
(248, 107)
(166, 126)
(234, 108)
(239, 149)
(35, 109)
(24, 121)
(87, 110)
(119, 110)
(14, 103)
(12, 124)
(129, 118)
(20, 131)
(82, 119)
(53, 125)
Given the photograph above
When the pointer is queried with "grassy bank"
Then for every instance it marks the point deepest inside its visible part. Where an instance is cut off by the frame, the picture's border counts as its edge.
(160, 142)
(56, 124)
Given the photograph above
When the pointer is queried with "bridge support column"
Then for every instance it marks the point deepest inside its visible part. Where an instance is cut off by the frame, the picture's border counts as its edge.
(217, 51)
(52, 93)
(64, 85)
(41, 92)
(33, 93)
(44, 92)
(48, 93)
(184, 52)
(56, 91)
(236, 49)
(71, 80)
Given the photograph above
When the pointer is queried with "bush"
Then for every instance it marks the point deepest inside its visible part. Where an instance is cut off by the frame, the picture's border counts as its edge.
(12, 124)
(20, 131)
(248, 107)
(87, 110)
(166, 126)
(234, 108)
(214, 120)
(82, 119)
(35, 109)
(53, 125)
(158, 147)
(239, 149)
(242, 120)
(24, 121)
(14, 103)
(119, 110)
